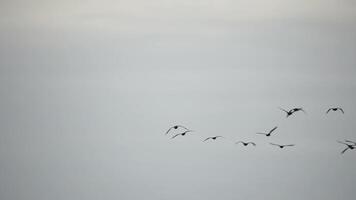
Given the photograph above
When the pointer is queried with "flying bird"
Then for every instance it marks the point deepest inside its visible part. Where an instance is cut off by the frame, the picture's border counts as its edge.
(175, 127)
(349, 146)
(213, 138)
(335, 109)
(292, 111)
(270, 132)
(282, 146)
(245, 143)
(182, 134)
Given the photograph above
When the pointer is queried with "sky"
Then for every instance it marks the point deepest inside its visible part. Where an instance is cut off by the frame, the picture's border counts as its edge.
(88, 89)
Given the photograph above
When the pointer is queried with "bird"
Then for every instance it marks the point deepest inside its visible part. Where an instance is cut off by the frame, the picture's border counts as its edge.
(246, 143)
(335, 109)
(270, 132)
(349, 146)
(175, 127)
(213, 138)
(282, 146)
(292, 111)
(182, 134)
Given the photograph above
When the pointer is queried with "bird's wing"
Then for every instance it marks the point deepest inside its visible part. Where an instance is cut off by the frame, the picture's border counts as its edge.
(328, 111)
(273, 129)
(343, 151)
(207, 139)
(301, 109)
(350, 141)
(182, 127)
(341, 110)
(283, 110)
(169, 130)
(275, 144)
(176, 135)
(254, 144)
(261, 133)
(342, 142)
(289, 145)
(188, 131)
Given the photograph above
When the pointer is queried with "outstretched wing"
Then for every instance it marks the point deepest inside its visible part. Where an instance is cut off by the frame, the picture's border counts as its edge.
(176, 135)
(275, 144)
(301, 109)
(283, 110)
(343, 151)
(207, 139)
(273, 129)
(169, 130)
(341, 110)
(289, 145)
(182, 127)
(254, 144)
(328, 111)
(342, 143)
(350, 141)
(261, 133)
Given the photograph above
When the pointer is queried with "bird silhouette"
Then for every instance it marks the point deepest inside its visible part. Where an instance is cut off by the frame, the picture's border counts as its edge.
(213, 138)
(245, 143)
(182, 134)
(292, 111)
(270, 132)
(282, 146)
(349, 146)
(175, 127)
(335, 109)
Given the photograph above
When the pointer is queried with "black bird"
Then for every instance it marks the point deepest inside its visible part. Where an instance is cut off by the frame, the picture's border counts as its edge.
(349, 146)
(282, 146)
(175, 127)
(182, 134)
(335, 109)
(292, 111)
(270, 132)
(213, 138)
(245, 143)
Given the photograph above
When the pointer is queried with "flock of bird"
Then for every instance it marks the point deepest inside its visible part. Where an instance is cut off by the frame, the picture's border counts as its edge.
(350, 145)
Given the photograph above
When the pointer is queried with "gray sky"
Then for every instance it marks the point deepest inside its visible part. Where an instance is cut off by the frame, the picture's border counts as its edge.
(88, 89)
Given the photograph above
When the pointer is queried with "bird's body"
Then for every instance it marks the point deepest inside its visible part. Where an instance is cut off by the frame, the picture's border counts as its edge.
(282, 146)
(182, 134)
(176, 127)
(245, 143)
(213, 138)
(269, 133)
(335, 109)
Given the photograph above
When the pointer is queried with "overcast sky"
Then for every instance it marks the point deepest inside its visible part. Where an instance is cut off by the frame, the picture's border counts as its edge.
(88, 89)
